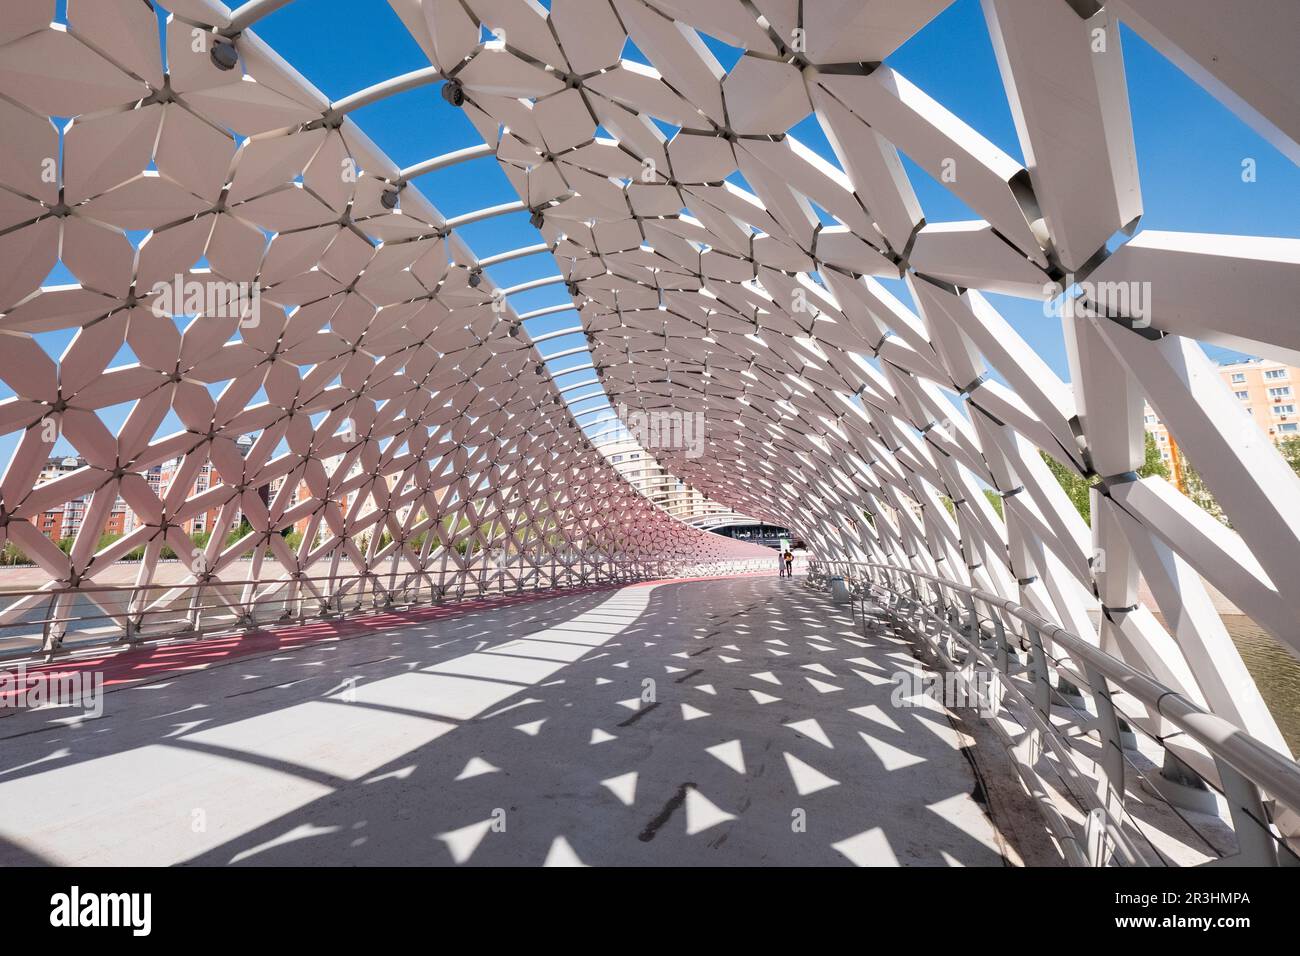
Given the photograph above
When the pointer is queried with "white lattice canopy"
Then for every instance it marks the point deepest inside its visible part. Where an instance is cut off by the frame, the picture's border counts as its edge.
(719, 266)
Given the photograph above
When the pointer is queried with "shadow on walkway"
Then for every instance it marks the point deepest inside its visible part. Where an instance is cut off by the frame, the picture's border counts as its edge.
(731, 722)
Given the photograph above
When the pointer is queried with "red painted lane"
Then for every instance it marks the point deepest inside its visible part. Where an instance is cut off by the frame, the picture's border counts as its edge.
(131, 665)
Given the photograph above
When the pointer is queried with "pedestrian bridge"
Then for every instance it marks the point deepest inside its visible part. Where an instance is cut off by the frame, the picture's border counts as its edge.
(741, 719)
(311, 489)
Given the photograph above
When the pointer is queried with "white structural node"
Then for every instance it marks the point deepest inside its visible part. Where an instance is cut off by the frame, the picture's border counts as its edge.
(871, 429)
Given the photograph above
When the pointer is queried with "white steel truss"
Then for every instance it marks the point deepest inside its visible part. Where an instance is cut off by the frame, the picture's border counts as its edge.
(835, 409)
(407, 427)
(831, 407)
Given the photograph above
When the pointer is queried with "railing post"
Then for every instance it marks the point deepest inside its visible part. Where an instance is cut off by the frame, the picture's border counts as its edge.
(1255, 843)
(195, 614)
(1039, 673)
(974, 637)
(49, 641)
(939, 615)
(130, 630)
(1003, 651)
(972, 622)
(1110, 789)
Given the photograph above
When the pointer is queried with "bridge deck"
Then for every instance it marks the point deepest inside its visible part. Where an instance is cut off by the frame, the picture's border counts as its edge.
(741, 721)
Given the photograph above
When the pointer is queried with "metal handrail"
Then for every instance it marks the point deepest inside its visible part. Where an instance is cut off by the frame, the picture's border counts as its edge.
(1245, 764)
(295, 593)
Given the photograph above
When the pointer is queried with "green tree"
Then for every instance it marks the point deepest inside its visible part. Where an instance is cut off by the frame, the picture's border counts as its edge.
(12, 554)
(107, 538)
(1290, 451)
(1198, 491)
(995, 500)
(1153, 463)
(233, 536)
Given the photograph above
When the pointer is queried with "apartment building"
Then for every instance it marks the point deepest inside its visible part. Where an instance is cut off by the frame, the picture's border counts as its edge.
(65, 520)
(50, 523)
(646, 475)
(1266, 390)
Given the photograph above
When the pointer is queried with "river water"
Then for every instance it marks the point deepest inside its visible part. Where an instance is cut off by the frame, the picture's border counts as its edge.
(1276, 673)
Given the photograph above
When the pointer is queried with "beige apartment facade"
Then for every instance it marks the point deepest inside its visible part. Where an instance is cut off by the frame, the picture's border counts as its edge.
(1268, 391)
(646, 475)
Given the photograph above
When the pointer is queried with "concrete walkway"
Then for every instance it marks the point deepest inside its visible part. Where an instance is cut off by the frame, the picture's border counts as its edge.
(733, 722)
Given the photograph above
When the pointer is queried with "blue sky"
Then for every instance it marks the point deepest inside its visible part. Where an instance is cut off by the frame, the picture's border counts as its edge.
(1190, 148)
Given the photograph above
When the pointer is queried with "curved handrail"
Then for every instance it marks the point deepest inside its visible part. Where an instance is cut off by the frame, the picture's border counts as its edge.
(1227, 743)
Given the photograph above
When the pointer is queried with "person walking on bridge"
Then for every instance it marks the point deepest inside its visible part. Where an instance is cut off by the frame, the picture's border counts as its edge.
(787, 559)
